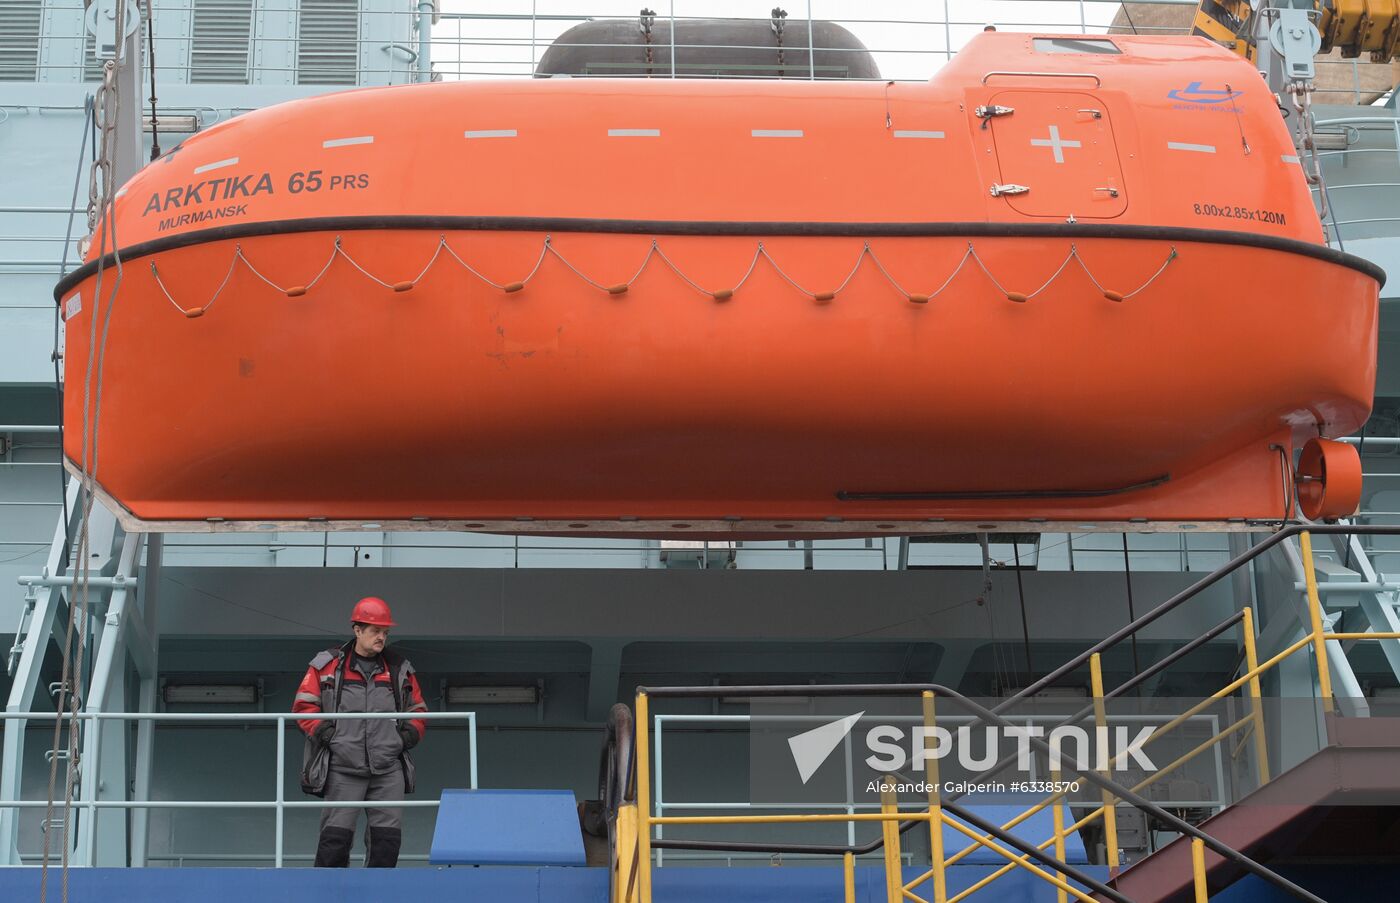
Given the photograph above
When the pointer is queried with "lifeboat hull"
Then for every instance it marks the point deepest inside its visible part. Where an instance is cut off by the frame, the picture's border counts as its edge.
(456, 400)
(673, 355)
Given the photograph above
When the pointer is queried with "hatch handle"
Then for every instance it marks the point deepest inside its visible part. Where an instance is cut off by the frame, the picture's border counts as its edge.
(991, 111)
(1096, 114)
(999, 190)
(1008, 72)
(1112, 192)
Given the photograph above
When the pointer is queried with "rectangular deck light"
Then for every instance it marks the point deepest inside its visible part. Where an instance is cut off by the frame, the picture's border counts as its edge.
(493, 695)
(212, 694)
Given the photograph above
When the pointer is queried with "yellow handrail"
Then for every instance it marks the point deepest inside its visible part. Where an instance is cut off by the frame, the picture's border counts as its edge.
(1002, 851)
(889, 830)
(785, 819)
(1256, 697)
(1324, 671)
(935, 805)
(1252, 674)
(1058, 818)
(890, 815)
(1250, 678)
(644, 817)
(1110, 812)
(1198, 869)
(1092, 816)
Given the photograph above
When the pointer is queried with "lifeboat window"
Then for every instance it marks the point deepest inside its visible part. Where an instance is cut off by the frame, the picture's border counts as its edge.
(1074, 45)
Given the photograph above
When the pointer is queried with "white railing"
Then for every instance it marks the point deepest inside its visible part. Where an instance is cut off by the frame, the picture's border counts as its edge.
(510, 41)
(89, 804)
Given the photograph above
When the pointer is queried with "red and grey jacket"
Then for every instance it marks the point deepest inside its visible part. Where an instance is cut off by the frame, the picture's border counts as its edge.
(332, 684)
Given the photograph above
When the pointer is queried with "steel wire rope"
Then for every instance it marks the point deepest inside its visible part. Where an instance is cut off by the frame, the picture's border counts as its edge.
(237, 256)
(108, 107)
(151, 50)
(88, 120)
(208, 304)
(356, 265)
(677, 270)
(1021, 595)
(1113, 296)
(88, 113)
(615, 289)
(655, 249)
(817, 296)
(1056, 275)
(1001, 668)
(503, 286)
(719, 295)
(1153, 278)
(335, 251)
(931, 295)
(972, 600)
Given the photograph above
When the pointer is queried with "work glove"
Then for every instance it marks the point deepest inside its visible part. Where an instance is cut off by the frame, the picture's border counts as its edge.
(409, 736)
(324, 732)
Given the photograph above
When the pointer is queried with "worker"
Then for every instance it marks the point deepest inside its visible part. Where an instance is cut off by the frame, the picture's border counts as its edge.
(360, 759)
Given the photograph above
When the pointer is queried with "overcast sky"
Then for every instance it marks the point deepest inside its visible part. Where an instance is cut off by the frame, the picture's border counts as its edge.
(908, 37)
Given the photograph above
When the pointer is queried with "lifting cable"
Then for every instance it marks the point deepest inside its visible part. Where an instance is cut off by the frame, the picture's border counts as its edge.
(89, 120)
(151, 51)
(102, 221)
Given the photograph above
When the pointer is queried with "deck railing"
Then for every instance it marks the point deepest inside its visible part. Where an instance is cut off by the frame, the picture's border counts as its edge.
(86, 838)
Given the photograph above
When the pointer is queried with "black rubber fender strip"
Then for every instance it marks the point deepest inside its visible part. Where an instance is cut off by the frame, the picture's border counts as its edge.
(723, 228)
(935, 496)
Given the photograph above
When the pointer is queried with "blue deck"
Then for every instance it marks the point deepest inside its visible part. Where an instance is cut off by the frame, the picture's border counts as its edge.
(574, 885)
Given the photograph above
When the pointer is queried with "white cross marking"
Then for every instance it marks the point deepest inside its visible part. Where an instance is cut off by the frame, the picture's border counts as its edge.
(1056, 143)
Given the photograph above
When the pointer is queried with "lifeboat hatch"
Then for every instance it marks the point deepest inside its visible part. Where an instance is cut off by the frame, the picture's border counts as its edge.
(1058, 147)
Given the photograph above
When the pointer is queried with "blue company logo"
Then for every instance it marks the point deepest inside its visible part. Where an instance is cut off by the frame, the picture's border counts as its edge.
(1194, 93)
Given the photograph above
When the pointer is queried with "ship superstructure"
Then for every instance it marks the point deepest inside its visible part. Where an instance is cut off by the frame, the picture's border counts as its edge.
(525, 643)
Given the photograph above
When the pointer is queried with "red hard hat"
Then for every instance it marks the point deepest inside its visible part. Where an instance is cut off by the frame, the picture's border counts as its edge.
(372, 610)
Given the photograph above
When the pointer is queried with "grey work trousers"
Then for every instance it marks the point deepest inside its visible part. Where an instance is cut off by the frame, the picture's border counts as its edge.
(341, 786)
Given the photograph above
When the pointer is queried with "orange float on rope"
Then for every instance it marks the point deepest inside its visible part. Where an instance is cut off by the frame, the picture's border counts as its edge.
(1026, 169)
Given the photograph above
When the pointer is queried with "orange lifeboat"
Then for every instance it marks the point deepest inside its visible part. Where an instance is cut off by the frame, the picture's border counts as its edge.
(1068, 279)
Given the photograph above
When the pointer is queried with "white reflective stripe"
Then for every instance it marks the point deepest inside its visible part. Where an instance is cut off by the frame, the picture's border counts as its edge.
(418, 708)
(1199, 148)
(217, 165)
(344, 142)
(489, 133)
(1290, 158)
(916, 133)
(307, 697)
(634, 133)
(776, 133)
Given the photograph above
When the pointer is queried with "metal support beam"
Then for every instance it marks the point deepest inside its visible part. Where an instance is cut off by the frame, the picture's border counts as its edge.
(149, 599)
(426, 13)
(104, 744)
(1346, 688)
(1378, 609)
(32, 647)
(604, 672)
(102, 21)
